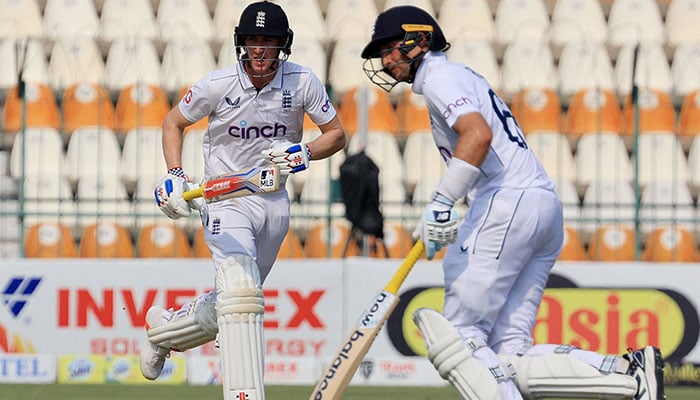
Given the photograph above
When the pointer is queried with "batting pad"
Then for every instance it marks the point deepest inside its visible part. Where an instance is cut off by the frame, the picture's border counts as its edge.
(189, 328)
(563, 375)
(240, 309)
(453, 358)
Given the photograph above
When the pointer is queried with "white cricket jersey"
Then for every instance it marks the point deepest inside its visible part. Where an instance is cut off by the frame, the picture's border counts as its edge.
(451, 90)
(243, 121)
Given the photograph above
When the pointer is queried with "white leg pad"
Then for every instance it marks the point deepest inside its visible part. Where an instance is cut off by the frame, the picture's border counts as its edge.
(189, 327)
(563, 375)
(240, 307)
(453, 358)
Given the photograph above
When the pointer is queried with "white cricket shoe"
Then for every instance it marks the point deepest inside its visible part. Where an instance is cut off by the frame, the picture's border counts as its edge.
(152, 356)
(647, 368)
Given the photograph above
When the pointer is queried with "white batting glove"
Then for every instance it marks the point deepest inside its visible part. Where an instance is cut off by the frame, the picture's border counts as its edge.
(168, 194)
(290, 157)
(439, 225)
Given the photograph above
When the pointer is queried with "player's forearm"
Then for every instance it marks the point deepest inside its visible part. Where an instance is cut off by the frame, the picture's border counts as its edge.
(173, 130)
(330, 142)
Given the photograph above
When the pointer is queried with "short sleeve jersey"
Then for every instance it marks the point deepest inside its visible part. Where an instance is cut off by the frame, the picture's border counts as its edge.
(243, 121)
(451, 90)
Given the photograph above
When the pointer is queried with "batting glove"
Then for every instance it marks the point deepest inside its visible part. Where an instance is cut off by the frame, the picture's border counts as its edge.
(168, 194)
(290, 157)
(439, 225)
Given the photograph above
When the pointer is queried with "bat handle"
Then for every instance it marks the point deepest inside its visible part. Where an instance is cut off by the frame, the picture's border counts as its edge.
(193, 194)
(405, 267)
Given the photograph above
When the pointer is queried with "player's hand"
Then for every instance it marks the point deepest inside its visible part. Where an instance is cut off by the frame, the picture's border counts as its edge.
(168, 194)
(290, 157)
(439, 225)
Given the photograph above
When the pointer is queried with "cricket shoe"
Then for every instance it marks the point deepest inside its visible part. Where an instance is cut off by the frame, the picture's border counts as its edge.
(647, 368)
(153, 356)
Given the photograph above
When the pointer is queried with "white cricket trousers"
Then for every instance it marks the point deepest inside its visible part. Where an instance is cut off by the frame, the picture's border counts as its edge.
(496, 271)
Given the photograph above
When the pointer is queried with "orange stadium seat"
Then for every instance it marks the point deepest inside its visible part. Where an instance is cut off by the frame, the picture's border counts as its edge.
(319, 240)
(593, 110)
(612, 243)
(689, 119)
(86, 104)
(200, 249)
(106, 240)
(41, 108)
(573, 249)
(537, 109)
(291, 246)
(381, 115)
(397, 242)
(49, 240)
(671, 244)
(162, 240)
(412, 113)
(141, 105)
(656, 113)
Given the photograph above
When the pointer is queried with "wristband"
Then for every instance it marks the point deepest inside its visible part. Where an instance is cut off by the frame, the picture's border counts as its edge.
(458, 180)
(308, 151)
(177, 171)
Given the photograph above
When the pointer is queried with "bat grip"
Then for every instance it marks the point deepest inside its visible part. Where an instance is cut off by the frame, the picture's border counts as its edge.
(405, 267)
(193, 194)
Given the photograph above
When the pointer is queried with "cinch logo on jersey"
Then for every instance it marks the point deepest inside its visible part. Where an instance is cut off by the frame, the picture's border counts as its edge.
(451, 106)
(17, 292)
(253, 132)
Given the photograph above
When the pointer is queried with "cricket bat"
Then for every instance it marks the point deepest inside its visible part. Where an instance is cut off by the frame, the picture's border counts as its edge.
(356, 344)
(237, 184)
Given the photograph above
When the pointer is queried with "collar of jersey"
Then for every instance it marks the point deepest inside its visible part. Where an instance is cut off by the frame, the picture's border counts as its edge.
(276, 82)
(424, 67)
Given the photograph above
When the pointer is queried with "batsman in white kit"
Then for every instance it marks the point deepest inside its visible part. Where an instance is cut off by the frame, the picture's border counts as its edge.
(256, 109)
(499, 255)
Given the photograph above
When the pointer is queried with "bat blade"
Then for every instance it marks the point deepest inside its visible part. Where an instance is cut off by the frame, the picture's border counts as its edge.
(237, 184)
(358, 341)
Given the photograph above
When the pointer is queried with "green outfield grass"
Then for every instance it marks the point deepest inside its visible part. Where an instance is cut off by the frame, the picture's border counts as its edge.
(184, 392)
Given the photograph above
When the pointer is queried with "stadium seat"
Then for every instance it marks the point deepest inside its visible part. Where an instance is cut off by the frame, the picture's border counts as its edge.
(128, 18)
(478, 27)
(106, 240)
(44, 155)
(310, 52)
(480, 56)
(397, 242)
(571, 203)
(103, 199)
(291, 246)
(572, 248)
(412, 113)
(200, 249)
(141, 106)
(593, 110)
(87, 105)
(426, 5)
(146, 211)
(26, 53)
(601, 155)
(162, 241)
(345, 67)
(190, 18)
(607, 202)
(131, 60)
(142, 157)
(350, 19)
(185, 61)
(324, 241)
(681, 22)
(380, 111)
(554, 152)
(422, 160)
(527, 63)
(226, 56)
(21, 18)
(520, 20)
(671, 244)
(656, 113)
(74, 60)
(634, 21)
(226, 14)
(584, 65)
(689, 120)
(576, 21)
(661, 158)
(694, 166)
(537, 110)
(70, 19)
(684, 67)
(664, 203)
(48, 198)
(653, 71)
(49, 240)
(92, 152)
(40, 109)
(193, 154)
(305, 19)
(612, 243)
